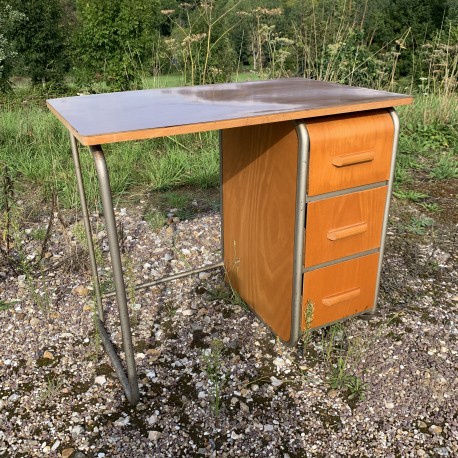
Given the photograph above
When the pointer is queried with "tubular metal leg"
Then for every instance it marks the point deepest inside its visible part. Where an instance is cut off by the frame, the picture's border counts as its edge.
(395, 118)
(87, 227)
(129, 383)
(301, 185)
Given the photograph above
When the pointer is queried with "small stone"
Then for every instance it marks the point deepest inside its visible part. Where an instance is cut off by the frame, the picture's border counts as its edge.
(153, 354)
(122, 421)
(88, 308)
(435, 429)
(275, 381)
(76, 430)
(204, 275)
(168, 257)
(187, 312)
(48, 355)
(66, 335)
(421, 424)
(236, 436)
(441, 451)
(100, 380)
(333, 393)
(67, 452)
(46, 449)
(34, 321)
(55, 446)
(268, 428)
(234, 401)
(389, 405)
(81, 290)
(244, 407)
(154, 435)
(152, 420)
(201, 395)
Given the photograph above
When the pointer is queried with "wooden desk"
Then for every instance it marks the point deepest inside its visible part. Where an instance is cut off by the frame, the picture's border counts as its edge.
(307, 170)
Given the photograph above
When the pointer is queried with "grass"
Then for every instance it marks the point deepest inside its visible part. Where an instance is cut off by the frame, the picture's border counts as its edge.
(36, 149)
(213, 366)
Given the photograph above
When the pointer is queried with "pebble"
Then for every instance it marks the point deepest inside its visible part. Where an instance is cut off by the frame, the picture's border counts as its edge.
(34, 321)
(389, 405)
(100, 380)
(67, 452)
(154, 435)
(76, 431)
(435, 429)
(152, 420)
(48, 355)
(275, 381)
(442, 451)
(268, 428)
(81, 290)
(204, 275)
(187, 312)
(122, 421)
(421, 424)
(244, 407)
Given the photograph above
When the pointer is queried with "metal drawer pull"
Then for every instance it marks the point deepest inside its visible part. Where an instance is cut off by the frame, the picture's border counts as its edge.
(351, 159)
(341, 297)
(337, 234)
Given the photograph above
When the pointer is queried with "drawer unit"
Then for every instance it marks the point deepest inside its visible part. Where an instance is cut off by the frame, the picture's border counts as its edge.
(344, 225)
(347, 151)
(340, 290)
(304, 208)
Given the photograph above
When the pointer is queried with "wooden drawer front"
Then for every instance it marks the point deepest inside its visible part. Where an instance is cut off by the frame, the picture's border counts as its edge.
(344, 225)
(349, 150)
(341, 290)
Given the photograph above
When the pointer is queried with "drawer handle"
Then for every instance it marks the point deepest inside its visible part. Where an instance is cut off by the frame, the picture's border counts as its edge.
(351, 159)
(337, 234)
(341, 297)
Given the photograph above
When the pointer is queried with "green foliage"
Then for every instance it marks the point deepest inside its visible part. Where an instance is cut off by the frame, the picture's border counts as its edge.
(212, 359)
(113, 40)
(9, 19)
(419, 225)
(39, 41)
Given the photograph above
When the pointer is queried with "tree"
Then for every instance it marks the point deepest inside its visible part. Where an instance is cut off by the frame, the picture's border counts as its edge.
(114, 38)
(39, 41)
(9, 18)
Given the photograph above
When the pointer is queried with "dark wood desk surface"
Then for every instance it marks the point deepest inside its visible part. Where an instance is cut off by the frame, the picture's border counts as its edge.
(114, 117)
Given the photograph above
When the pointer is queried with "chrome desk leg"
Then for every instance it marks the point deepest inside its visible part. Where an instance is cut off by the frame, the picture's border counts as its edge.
(395, 118)
(129, 383)
(87, 227)
(299, 229)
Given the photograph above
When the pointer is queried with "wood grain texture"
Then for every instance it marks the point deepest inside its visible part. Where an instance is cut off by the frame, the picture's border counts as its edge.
(341, 290)
(259, 168)
(134, 115)
(344, 225)
(349, 150)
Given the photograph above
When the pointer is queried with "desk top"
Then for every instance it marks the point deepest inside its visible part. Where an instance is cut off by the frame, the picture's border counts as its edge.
(133, 115)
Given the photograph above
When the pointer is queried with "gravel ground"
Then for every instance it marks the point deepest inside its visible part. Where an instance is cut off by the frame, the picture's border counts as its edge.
(214, 381)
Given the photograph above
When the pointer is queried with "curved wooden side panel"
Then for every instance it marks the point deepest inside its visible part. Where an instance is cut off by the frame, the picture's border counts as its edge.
(259, 168)
(349, 150)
